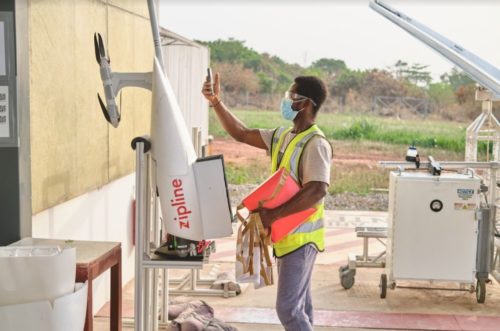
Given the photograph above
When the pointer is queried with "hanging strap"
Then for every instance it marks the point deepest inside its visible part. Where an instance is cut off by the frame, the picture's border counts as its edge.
(252, 230)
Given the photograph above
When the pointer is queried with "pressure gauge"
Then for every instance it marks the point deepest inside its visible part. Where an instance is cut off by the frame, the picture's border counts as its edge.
(436, 205)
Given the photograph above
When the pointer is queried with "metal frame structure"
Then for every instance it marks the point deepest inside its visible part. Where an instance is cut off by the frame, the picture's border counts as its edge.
(418, 106)
(485, 240)
(496, 260)
(150, 297)
(486, 127)
(147, 238)
(348, 272)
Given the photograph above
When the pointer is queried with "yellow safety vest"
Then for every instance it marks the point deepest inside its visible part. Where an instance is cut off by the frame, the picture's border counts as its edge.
(312, 230)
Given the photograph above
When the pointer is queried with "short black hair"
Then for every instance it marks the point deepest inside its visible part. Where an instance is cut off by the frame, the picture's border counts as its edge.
(312, 87)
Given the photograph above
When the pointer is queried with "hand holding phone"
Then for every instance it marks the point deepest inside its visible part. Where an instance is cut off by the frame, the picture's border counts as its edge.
(210, 80)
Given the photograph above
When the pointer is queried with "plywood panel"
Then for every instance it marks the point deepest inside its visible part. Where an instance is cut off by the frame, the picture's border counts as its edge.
(130, 39)
(62, 115)
(73, 149)
(138, 7)
(91, 152)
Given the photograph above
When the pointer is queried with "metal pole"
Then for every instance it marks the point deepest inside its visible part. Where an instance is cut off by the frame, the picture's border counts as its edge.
(146, 228)
(156, 239)
(164, 292)
(493, 213)
(139, 219)
(156, 32)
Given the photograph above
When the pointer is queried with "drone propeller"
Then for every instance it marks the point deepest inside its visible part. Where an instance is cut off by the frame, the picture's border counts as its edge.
(96, 48)
(103, 108)
(100, 51)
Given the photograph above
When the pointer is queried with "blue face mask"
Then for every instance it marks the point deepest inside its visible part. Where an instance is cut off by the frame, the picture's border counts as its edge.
(286, 109)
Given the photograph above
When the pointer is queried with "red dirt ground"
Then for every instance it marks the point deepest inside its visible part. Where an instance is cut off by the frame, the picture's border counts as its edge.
(239, 154)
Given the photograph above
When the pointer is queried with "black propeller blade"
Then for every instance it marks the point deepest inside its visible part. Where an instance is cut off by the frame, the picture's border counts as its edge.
(96, 48)
(101, 48)
(103, 107)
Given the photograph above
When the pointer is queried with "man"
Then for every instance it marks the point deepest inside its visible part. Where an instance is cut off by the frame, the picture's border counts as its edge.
(305, 152)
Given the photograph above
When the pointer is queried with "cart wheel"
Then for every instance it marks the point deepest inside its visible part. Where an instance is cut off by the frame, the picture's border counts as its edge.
(481, 291)
(383, 286)
(347, 278)
(342, 269)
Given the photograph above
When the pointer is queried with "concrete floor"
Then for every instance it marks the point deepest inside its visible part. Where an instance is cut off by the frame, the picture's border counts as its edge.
(359, 308)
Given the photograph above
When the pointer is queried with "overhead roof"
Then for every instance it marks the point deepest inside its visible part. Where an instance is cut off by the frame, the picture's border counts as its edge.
(172, 38)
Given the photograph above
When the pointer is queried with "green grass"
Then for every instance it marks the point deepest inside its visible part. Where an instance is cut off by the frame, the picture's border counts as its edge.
(424, 133)
(358, 179)
(254, 173)
(358, 134)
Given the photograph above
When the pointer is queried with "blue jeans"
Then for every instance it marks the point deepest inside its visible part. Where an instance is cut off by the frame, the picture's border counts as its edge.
(294, 302)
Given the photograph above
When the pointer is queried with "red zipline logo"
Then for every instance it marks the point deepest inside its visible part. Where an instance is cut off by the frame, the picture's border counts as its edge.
(179, 203)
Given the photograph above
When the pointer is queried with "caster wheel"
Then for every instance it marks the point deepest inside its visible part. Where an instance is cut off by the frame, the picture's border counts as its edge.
(342, 269)
(383, 286)
(347, 279)
(481, 291)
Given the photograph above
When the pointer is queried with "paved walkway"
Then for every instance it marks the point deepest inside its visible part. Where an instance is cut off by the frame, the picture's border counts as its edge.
(359, 308)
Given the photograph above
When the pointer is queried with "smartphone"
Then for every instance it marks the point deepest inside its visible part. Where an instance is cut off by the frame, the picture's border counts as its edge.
(210, 80)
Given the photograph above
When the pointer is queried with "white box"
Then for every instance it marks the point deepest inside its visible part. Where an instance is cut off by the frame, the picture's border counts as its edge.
(427, 244)
(213, 198)
(30, 273)
(66, 313)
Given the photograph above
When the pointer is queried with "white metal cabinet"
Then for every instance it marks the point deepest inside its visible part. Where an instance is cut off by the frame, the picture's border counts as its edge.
(427, 244)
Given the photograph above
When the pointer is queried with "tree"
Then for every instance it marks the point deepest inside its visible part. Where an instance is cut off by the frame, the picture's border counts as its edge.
(234, 51)
(399, 69)
(382, 83)
(346, 81)
(461, 85)
(330, 66)
(417, 75)
(236, 78)
(441, 93)
(414, 74)
(456, 78)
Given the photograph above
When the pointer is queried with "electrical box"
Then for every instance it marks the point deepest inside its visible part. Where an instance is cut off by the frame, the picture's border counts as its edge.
(432, 228)
(10, 165)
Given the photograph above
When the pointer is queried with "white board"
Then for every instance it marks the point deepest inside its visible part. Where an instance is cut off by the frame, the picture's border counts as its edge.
(4, 112)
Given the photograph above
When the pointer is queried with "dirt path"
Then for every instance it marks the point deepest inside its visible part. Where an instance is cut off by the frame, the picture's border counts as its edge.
(347, 156)
(238, 153)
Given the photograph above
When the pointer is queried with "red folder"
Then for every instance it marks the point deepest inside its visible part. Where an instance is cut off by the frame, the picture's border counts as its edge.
(275, 191)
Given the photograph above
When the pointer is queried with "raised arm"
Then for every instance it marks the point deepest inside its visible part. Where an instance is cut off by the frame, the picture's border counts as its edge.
(231, 123)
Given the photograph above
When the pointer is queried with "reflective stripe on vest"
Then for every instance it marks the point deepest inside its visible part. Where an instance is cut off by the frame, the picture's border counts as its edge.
(309, 227)
(278, 138)
(312, 230)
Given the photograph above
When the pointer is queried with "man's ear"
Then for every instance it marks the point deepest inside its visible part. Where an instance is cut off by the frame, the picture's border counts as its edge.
(310, 102)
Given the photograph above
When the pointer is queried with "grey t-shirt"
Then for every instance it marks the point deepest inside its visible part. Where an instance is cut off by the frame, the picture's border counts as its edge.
(315, 160)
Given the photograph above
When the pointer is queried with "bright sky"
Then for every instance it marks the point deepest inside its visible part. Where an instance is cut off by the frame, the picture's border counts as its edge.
(305, 31)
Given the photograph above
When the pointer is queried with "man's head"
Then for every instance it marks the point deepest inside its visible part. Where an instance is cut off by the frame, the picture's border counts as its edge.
(311, 87)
